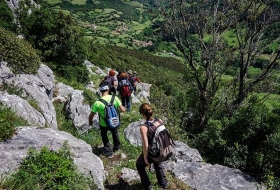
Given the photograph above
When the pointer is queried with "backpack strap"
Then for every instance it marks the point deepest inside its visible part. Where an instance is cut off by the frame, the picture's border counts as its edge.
(111, 102)
(103, 101)
(113, 99)
(106, 103)
(151, 131)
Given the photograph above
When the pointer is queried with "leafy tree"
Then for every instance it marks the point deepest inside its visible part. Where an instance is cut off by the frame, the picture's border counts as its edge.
(6, 16)
(223, 43)
(200, 29)
(18, 53)
(248, 141)
(58, 39)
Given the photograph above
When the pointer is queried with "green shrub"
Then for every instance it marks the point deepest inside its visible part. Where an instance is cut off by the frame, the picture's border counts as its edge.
(11, 89)
(48, 169)
(6, 16)
(8, 122)
(18, 53)
(248, 140)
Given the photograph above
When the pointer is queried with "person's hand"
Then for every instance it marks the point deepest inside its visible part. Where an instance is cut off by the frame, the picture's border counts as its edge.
(146, 162)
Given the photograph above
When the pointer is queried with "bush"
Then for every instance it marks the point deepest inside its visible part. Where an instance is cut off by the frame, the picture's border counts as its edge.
(48, 169)
(18, 53)
(8, 122)
(6, 16)
(248, 140)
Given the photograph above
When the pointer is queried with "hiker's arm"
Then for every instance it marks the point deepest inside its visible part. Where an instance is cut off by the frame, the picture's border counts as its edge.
(115, 83)
(90, 117)
(145, 145)
(122, 108)
(131, 87)
(119, 86)
(137, 79)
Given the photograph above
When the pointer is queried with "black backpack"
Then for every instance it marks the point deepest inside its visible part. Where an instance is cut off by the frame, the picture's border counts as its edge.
(132, 80)
(111, 115)
(161, 145)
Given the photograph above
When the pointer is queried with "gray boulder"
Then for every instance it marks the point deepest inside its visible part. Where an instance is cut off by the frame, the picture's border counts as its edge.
(134, 99)
(129, 175)
(132, 133)
(45, 74)
(78, 111)
(203, 176)
(63, 90)
(5, 73)
(94, 69)
(76, 108)
(188, 166)
(33, 88)
(14, 150)
(23, 109)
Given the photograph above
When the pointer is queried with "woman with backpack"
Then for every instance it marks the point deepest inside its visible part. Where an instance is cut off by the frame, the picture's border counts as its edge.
(125, 89)
(112, 80)
(143, 160)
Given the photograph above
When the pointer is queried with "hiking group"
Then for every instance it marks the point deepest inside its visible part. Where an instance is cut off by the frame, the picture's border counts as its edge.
(157, 145)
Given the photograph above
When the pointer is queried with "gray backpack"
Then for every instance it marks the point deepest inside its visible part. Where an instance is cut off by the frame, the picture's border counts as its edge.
(161, 145)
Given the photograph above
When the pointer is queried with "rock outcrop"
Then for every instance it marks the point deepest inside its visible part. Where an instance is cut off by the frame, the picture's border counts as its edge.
(188, 166)
(19, 105)
(13, 151)
(32, 87)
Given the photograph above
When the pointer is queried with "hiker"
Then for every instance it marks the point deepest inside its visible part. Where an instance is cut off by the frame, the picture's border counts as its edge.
(99, 107)
(133, 78)
(112, 80)
(143, 160)
(125, 89)
(119, 75)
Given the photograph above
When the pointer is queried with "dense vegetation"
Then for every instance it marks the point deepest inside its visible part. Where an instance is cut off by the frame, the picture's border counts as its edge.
(6, 16)
(27, 62)
(8, 122)
(48, 169)
(224, 100)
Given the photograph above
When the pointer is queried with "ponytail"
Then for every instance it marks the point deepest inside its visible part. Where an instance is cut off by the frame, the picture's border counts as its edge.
(146, 110)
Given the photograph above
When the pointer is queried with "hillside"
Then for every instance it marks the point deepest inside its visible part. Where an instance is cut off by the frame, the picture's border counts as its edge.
(66, 105)
(120, 23)
(222, 99)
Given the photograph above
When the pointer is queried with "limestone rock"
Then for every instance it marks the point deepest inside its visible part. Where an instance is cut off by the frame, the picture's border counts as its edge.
(14, 150)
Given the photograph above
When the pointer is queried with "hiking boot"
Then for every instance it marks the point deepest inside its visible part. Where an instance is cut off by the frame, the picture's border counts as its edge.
(149, 188)
(108, 154)
(163, 186)
(116, 149)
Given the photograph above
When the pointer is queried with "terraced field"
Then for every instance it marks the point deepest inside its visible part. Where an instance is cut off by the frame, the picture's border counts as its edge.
(115, 24)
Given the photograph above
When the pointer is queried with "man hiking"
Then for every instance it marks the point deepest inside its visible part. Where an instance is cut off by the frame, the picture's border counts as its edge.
(99, 107)
(112, 80)
(132, 79)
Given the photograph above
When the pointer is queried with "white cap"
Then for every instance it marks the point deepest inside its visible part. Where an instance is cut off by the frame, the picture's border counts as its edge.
(104, 88)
